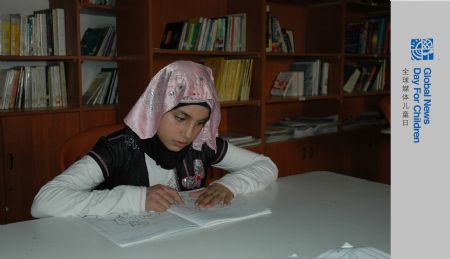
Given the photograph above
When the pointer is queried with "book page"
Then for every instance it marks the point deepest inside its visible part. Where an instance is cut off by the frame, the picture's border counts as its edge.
(239, 209)
(127, 229)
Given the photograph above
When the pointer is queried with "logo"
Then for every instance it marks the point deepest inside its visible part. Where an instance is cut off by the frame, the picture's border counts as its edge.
(422, 49)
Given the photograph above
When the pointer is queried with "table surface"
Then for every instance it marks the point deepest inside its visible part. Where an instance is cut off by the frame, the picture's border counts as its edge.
(311, 213)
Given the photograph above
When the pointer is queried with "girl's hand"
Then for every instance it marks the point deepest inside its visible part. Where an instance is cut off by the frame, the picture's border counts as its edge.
(160, 198)
(212, 195)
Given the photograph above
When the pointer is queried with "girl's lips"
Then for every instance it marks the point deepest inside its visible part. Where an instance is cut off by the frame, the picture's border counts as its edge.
(180, 144)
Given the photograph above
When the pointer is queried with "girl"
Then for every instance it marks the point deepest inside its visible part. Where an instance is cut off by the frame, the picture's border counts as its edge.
(169, 142)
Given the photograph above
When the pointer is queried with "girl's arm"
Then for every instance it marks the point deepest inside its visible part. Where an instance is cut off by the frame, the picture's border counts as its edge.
(249, 171)
(72, 194)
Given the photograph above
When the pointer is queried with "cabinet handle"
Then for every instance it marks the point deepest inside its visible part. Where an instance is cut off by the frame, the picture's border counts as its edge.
(11, 161)
(311, 152)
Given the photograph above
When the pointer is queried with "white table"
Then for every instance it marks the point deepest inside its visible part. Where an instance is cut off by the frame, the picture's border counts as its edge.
(311, 213)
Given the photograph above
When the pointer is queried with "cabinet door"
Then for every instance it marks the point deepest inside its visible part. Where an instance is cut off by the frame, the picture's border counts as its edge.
(30, 145)
(291, 156)
(366, 154)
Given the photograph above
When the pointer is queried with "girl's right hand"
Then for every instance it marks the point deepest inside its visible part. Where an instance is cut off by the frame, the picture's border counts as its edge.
(160, 198)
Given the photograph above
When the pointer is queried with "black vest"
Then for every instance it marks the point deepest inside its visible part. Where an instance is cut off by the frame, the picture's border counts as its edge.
(121, 157)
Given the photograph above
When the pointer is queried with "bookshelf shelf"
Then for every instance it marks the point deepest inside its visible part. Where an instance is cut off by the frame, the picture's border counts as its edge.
(279, 99)
(158, 51)
(228, 104)
(38, 58)
(368, 94)
(97, 58)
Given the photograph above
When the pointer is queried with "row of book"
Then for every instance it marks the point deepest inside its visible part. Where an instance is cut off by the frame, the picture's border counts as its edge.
(301, 127)
(366, 76)
(370, 36)
(103, 88)
(226, 33)
(99, 2)
(232, 77)
(33, 87)
(41, 34)
(99, 41)
(278, 39)
(305, 78)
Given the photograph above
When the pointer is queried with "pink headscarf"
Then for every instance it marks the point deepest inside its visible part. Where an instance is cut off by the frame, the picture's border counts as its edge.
(178, 82)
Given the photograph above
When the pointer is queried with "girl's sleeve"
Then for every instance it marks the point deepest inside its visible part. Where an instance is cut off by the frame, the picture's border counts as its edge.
(249, 171)
(72, 194)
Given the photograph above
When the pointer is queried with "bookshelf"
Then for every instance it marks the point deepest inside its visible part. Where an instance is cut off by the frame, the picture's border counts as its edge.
(31, 137)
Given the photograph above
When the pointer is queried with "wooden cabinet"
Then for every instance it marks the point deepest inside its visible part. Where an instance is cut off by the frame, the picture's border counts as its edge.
(305, 155)
(30, 145)
(365, 154)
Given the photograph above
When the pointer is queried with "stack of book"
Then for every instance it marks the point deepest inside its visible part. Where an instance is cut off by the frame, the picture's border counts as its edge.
(226, 33)
(305, 126)
(99, 41)
(41, 34)
(232, 77)
(301, 127)
(277, 132)
(239, 139)
(366, 119)
(103, 89)
(33, 87)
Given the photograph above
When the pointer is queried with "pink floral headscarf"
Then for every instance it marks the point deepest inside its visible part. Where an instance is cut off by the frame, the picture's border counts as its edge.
(178, 82)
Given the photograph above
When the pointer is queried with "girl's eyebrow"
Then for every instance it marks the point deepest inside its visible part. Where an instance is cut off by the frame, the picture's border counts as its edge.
(188, 115)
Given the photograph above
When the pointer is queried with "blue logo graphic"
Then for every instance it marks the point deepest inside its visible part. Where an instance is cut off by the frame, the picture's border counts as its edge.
(422, 49)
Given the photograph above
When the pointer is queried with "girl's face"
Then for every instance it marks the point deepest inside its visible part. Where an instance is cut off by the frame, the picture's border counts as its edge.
(179, 127)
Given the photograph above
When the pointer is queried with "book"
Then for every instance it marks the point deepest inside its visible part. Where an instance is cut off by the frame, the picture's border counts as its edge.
(351, 76)
(324, 78)
(92, 40)
(311, 70)
(172, 35)
(282, 83)
(130, 229)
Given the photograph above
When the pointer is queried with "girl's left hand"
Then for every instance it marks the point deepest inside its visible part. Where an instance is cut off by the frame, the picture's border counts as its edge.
(212, 195)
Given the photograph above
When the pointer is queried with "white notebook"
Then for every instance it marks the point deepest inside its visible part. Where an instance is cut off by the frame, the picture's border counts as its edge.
(126, 229)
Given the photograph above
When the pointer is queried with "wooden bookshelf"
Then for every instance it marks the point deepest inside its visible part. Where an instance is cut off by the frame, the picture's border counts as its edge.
(30, 138)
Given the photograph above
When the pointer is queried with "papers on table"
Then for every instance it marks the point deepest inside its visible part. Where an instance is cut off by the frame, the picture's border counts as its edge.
(347, 251)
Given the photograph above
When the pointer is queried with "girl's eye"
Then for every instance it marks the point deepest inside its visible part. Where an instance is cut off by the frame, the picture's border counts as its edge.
(201, 123)
(179, 118)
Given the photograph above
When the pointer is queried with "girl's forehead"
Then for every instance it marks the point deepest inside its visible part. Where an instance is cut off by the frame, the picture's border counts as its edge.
(195, 111)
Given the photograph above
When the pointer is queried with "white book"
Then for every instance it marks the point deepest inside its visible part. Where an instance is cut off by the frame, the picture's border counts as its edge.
(324, 78)
(300, 81)
(62, 85)
(351, 81)
(61, 31)
(126, 229)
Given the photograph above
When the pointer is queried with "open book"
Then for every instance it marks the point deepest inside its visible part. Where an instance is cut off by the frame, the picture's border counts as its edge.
(126, 229)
